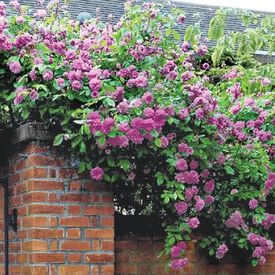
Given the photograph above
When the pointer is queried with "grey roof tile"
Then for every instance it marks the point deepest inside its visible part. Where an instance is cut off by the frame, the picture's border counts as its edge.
(116, 8)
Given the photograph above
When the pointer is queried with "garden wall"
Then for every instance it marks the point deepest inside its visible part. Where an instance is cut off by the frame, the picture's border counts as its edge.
(141, 255)
(66, 223)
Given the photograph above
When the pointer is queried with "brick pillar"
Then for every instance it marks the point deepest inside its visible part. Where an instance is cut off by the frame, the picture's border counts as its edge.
(2, 173)
(65, 224)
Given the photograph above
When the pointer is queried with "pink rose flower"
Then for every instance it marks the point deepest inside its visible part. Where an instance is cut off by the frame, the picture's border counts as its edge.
(181, 19)
(181, 164)
(179, 264)
(189, 177)
(181, 207)
(200, 203)
(15, 67)
(209, 186)
(194, 223)
(76, 85)
(253, 203)
(96, 173)
(147, 98)
(222, 250)
(41, 13)
(47, 75)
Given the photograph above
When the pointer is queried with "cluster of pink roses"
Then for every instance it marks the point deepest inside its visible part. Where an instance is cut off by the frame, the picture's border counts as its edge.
(262, 246)
(178, 263)
(136, 131)
(221, 251)
(252, 129)
(235, 220)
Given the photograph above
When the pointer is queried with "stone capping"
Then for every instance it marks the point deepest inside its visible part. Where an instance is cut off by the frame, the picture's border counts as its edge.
(11, 138)
(29, 132)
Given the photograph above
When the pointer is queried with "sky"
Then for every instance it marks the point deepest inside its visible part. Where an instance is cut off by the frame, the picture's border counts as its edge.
(260, 5)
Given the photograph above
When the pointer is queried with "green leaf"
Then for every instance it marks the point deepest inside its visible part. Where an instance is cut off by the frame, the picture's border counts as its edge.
(217, 54)
(216, 28)
(192, 34)
(80, 122)
(262, 169)
(168, 31)
(58, 139)
(83, 148)
(25, 113)
(125, 165)
(176, 35)
(102, 140)
(109, 102)
(155, 133)
(14, 59)
(211, 252)
(113, 134)
(85, 130)
(197, 122)
(254, 262)
(82, 167)
(114, 178)
(160, 180)
(158, 142)
(229, 170)
(107, 178)
(166, 199)
(111, 162)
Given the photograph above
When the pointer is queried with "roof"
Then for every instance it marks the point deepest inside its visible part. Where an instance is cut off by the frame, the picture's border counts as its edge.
(116, 8)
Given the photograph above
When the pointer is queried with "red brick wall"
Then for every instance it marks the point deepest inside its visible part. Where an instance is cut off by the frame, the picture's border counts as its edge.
(65, 224)
(141, 256)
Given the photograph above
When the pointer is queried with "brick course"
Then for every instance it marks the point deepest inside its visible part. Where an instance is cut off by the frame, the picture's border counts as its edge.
(59, 224)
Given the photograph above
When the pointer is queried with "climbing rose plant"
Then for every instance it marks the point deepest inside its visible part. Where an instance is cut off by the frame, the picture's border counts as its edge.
(180, 130)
